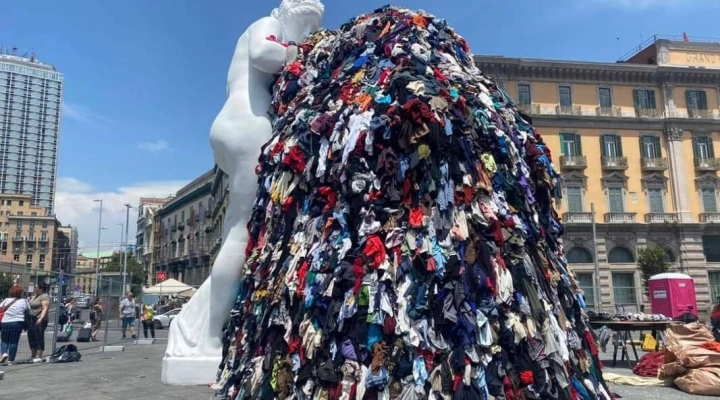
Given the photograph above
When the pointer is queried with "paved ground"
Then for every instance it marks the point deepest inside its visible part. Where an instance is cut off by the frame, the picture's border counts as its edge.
(135, 374)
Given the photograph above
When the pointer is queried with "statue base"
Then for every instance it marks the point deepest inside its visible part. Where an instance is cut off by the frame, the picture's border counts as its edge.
(187, 371)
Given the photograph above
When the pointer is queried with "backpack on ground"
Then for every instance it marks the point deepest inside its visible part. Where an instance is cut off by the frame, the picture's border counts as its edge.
(67, 353)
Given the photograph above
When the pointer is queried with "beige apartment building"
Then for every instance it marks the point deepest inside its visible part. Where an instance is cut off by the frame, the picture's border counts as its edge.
(179, 237)
(635, 139)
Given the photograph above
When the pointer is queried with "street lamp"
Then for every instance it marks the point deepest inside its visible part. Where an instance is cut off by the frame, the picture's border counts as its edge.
(122, 231)
(97, 255)
(125, 250)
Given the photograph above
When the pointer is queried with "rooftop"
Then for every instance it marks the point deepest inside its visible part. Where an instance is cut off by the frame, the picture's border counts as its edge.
(28, 61)
(93, 254)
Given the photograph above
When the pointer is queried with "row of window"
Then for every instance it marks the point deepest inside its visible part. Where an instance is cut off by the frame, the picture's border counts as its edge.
(24, 74)
(650, 147)
(618, 255)
(623, 285)
(28, 258)
(643, 99)
(615, 198)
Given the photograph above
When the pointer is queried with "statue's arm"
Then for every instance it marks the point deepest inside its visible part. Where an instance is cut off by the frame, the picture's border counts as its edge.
(266, 55)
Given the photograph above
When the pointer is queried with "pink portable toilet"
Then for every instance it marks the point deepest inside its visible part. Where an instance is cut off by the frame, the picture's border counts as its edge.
(672, 294)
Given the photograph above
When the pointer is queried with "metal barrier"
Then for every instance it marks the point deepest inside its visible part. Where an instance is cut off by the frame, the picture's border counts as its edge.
(64, 316)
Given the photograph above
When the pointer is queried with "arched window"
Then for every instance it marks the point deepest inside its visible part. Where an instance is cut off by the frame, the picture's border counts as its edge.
(578, 255)
(620, 255)
(671, 258)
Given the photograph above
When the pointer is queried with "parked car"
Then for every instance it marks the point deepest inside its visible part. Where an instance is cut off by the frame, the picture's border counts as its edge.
(82, 302)
(163, 321)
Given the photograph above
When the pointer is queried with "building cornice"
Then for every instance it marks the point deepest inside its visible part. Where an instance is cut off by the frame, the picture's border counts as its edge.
(575, 71)
(649, 124)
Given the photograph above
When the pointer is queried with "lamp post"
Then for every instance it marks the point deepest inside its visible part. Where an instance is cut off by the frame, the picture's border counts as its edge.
(125, 250)
(97, 255)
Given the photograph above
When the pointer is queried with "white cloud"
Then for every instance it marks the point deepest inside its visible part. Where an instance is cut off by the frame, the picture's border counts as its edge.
(81, 113)
(154, 147)
(75, 205)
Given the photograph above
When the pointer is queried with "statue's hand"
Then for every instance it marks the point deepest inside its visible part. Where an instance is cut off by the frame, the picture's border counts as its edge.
(266, 55)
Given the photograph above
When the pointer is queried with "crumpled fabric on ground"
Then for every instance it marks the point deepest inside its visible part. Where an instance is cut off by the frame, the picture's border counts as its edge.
(403, 243)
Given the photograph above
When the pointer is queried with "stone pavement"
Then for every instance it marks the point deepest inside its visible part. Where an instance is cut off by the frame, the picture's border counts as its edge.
(135, 374)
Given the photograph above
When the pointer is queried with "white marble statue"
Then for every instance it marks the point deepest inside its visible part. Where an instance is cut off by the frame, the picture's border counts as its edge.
(194, 346)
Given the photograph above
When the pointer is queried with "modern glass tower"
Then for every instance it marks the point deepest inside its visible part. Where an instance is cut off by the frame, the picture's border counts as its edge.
(30, 103)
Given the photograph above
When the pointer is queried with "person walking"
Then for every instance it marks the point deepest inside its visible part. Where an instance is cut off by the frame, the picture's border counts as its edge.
(13, 321)
(148, 320)
(127, 312)
(39, 313)
(97, 316)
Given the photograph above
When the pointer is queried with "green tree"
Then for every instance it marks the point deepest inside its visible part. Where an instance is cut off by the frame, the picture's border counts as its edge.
(136, 273)
(652, 260)
(6, 281)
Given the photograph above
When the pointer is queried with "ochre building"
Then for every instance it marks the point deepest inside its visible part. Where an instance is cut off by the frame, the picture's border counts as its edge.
(636, 139)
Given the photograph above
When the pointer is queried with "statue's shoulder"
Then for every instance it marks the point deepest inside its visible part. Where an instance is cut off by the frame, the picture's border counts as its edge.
(264, 24)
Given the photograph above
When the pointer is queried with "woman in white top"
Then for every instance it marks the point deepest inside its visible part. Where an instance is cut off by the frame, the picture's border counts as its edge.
(13, 322)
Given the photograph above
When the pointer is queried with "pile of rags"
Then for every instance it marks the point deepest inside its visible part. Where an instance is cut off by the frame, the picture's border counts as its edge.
(403, 242)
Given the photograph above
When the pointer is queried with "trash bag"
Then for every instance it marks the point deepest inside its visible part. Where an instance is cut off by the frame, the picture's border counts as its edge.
(65, 354)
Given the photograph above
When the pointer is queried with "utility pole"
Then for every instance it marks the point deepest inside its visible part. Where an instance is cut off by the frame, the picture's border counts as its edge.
(97, 256)
(125, 249)
(598, 301)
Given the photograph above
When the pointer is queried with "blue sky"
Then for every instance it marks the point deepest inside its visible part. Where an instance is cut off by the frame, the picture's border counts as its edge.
(144, 79)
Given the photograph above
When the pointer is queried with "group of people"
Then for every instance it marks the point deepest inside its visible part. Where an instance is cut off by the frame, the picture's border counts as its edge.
(19, 313)
(23, 314)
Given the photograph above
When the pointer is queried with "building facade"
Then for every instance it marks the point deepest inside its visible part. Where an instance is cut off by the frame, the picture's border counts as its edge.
(180, 246)
(27, 236)
(144, 238)
(84, 275)
(71, 233)
(216, 213)
(635, 140)
(30, 104)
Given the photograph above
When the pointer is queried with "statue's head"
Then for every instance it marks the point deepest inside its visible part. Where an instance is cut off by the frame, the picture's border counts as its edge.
(299, 18)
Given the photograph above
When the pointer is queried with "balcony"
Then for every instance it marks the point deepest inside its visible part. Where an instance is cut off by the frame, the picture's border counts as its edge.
(615, 218)
(614, 163)
(653, 164)
(608, 111)
(568, 110)
(710, 217)
(648, 113)
(655, 218)
(707, 164)
(573, 162)
(702, 114)
(526, 108)
(577, 218)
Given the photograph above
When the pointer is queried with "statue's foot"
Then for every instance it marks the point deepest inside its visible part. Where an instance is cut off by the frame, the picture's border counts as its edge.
(193, 355)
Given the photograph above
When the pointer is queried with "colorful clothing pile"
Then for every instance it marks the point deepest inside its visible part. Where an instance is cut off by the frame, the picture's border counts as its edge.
(403, 243)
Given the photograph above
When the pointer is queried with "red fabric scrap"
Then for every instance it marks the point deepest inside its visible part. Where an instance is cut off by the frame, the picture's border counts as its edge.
(330, 197)
(509, 391)
(375, 250)
(295, 68)
(302, 275)
(359, 270)
(416, 218)
(527, 378)
(295, 160)
(649, 364)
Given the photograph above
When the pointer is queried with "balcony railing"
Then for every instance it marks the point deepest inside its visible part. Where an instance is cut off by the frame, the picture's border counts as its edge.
(608, 111)
(704, 114)
(707, 164)
(614, 163)
(710, 217)
(620, 217)
(648, 113)
(577, 217)
(568, 110)
(654, 218)
(573, 162)
(653, 164)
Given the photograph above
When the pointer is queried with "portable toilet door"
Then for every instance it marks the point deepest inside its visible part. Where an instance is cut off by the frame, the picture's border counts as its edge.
(672, 294)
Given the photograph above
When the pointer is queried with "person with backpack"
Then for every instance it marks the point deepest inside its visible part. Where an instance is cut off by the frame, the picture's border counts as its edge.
(12, 317)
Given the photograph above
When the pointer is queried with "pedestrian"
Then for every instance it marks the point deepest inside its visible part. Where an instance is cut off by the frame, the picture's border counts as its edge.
(97, 315)
(39, 312)
(127, 312)
(13, 321)
(148, 320)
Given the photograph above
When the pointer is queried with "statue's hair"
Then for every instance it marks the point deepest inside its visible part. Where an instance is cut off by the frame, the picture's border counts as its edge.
(292, 8)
